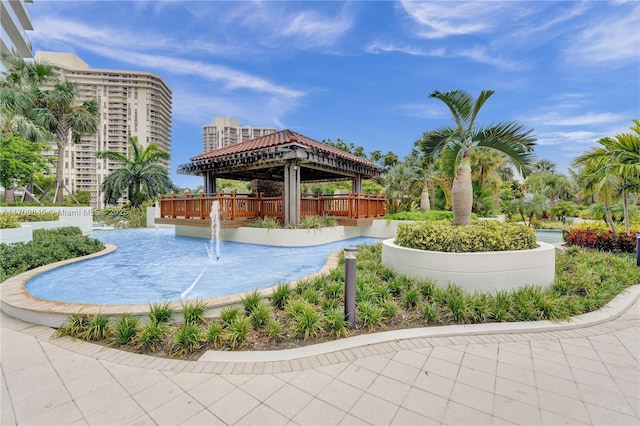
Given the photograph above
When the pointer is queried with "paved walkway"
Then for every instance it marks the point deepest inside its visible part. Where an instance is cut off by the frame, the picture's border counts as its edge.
(587, 375)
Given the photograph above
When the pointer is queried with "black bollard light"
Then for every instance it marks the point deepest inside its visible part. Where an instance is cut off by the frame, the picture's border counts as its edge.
(638, 248)
(350, 285)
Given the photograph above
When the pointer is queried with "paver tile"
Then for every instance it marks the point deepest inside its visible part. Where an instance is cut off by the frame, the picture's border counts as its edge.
(434, 384)
(210, 391)
(516, 391)
(318, 412)
(472, 397)
(39, 403)
(563, 405)
(203, 417)
(477, 379)
(516, 411)
(601, 416)
(458, 414)
(402, 372)
(233, 406)
(65, 413)
(340, 395)
(388, 389)
(176, 411)
(405, 417)
(410, 357)
(426, 404)
(262, 386)
(288, 400)
(357, 376)
(374, 410)
(311, 381)
(441, 368)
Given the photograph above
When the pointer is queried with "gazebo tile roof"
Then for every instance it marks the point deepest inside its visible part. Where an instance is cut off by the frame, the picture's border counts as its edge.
(282, 137)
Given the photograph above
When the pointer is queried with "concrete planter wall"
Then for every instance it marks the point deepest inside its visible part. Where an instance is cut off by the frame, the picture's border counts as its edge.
(82, 217)
(23, 234)
(51, 224)
(488, 271)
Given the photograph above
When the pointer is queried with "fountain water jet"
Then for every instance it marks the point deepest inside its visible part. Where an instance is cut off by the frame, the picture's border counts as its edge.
(216, 232)
(213, 249)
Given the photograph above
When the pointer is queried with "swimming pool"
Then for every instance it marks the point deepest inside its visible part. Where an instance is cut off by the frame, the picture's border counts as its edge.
(154, 265)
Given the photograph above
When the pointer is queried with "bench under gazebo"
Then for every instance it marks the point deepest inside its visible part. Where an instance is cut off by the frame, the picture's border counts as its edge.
(284, 156)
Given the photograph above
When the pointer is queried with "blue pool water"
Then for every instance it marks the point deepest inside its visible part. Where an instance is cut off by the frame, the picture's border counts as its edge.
(549, 236)
(154, 265)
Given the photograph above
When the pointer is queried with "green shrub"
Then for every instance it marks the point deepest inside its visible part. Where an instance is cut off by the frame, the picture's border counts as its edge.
(411, 298)
(97, 328)
(369, 314)
(260, 315)
(73, 325)
(160, 312)
(423, 216)
(280, 295)
(48, 246)
(237, 331)
(480, 237)
(122, 217)
(336, 323)
(186, 339)
(274, 330)
(307, 322)
(250, 301)
(229, 314)
(125, 329)
(33, 216)
(150, 337)
(266, 223)
(193, 312)
(9, 221)
(214, 333)
(430, 313)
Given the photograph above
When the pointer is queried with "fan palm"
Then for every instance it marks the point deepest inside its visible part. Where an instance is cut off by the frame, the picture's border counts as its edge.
(456, 144)
(142, 175)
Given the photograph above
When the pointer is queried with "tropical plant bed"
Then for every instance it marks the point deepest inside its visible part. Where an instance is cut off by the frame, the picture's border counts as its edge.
(313, 311)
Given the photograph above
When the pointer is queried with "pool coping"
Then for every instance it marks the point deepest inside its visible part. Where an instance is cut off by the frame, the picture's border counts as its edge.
(17, 302)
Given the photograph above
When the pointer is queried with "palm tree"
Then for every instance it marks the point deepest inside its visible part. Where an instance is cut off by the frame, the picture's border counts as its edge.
(398, 187)
(18, 89)
(614, 167)
(456, 144)
(61, 112)
(543, 166)
(141, 175)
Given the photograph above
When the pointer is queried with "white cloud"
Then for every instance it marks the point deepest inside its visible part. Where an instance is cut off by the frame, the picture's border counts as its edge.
(314, 29)
(585, 119)
(443, 19)
(608, 40)
(382, 47)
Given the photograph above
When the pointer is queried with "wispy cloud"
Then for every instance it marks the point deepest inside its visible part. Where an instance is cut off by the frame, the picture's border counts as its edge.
(118, 45)
(588, 119)
(477, 54)
(443, 19)
(610, 40)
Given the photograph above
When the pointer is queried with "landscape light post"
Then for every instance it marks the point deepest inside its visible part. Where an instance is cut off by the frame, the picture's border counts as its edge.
(638, 248)
(350, 285)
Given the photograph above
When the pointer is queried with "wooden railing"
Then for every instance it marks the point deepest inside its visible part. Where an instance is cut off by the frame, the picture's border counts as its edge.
(232, 206)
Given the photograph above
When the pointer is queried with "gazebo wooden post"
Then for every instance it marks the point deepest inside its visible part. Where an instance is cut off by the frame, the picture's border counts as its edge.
(291, 193)
(210, 183)
(356, 184)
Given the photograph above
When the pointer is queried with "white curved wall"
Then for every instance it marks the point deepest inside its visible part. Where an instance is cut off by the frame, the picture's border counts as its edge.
(497, 270)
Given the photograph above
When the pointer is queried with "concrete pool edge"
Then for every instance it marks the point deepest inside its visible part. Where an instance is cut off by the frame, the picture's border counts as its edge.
(17, 302)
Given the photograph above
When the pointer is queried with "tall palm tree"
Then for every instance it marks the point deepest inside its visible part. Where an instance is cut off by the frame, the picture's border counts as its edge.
(19, 85)
(543, 166)
(456, 144)
(61, 111)
(615, 166)
(142, 175)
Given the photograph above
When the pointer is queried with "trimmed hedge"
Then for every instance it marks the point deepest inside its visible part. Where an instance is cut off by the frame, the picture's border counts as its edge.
(47, 246)
(9, 221)
(430, 215)
(478, 237)
(601, 240)
(27, 216)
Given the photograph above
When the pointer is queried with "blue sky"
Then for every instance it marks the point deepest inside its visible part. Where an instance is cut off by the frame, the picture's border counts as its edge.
(361, 71)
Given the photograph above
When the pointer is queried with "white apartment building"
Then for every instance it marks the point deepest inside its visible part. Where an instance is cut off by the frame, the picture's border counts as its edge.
(225, 131)
(131, 103)
(15, 19)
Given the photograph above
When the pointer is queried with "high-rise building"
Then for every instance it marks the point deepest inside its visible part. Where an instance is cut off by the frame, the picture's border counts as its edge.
(131, 103)
(225, 131)
(14, 21)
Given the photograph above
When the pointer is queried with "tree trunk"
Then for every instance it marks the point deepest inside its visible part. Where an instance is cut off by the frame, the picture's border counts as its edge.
(462, 194)
(625, 205)
(425, 203)
(60, 175)
(609, 219)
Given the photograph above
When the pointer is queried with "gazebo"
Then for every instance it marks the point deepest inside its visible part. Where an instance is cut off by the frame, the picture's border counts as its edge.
(284, 156)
